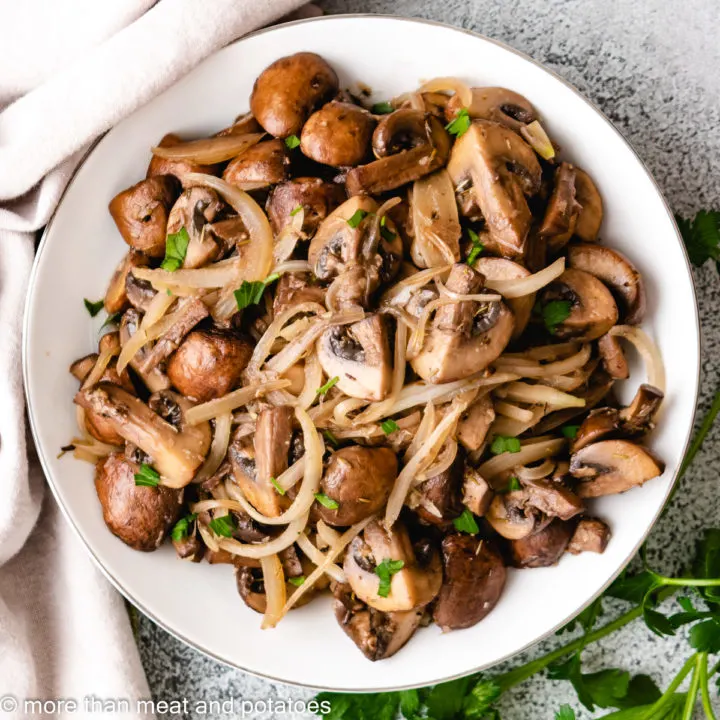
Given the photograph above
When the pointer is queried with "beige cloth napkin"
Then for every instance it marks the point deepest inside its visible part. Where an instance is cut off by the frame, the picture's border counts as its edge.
(69, 70)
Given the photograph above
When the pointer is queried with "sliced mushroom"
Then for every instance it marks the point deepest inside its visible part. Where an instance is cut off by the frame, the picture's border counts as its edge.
(475, 422)
(251, 588)
(497, 104)
(154, 379)
(359, 480)
(508, 518)
(140, 293)
(617, 272)
(359, 356)
(502, 169)
(464, 337)
(638, 417)
(140, 516)
(597, 425)
(434, 219)
(588, 223)
(260, 166)
(179, 168)
(474, 578)
(191, 548)
(175, 455)
(494, 268)
(82, 367)
(612, 466)
(613, 357)
(116, 296)
(591, 535)
(289, 89)
(209, 363)
(295, 288)
(338, 134)
(409, 145)
(552, 499)
(592, 308)
(477, 493)
(99, 426)
(440, 496)
(377, 634)
(413, 586)
(543, 548)
(562, 211)
(316, 197)
(141, 213)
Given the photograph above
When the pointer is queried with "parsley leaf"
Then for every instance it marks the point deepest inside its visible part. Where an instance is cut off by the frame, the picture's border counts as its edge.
(633, 588)
(113, 319)
(176, 245)
(326, 501)
(223, 526)
(297, 581)
(280, 489)
(466, 523)
(555, 313)
(705, 636)
(93, 307)
(481, 698)
(331, 438)
(182, 527)
(147, 477)
(389, 426)
(250, 293)
(701, 236)
(357, 217)
(477, 248)
(385, 570)
(382, 108)
(565, 713)
(296, 210)
(570, 431)
(460, 125)
(331, 383)
(503, 443)
(292, 141)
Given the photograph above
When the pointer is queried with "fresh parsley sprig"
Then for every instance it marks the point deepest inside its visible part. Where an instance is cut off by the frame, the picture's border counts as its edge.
(701, 236)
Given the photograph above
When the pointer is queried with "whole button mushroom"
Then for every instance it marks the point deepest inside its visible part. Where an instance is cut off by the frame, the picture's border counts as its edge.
(543, 548)
(259, 166)
(141, 213)
(287, 91)
(359, 480)
(140, 516)
(338, 134)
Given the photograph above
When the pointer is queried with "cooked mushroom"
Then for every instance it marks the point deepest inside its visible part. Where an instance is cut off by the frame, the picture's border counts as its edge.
(359, 480)
(613, 357)
(140, 516)
(261, 165)
(338, 134)
(414, 585)
(209, 363)
(502, 169)
(475, 422)
(409, 145)
(552, 499)
(543, 548)
(592, 308)
(316, 197)
(464, 337)
(494, 268)
(140, 293)
(617, 272)
(83, 366)
(378, 634)
(116, 296)
(477, 493)
(154, 379)
(359, 356)
(638, 417)
(251, 588)
(440, 496)
(599, 424)
(612, 466)
(508, 517)
(588, 223)
(474, 578)
(289, 89)
(175, 455)
(179, 168)
(141, 213)
(497, 104)
(195, 210)
(190, 547)
(591, 535)
(562, 212)
(294, 289)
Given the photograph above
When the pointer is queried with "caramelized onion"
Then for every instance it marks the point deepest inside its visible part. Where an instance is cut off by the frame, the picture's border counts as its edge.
(275, 597)
(208, 151)
(648, 350)
(530, 284)
(441, 84)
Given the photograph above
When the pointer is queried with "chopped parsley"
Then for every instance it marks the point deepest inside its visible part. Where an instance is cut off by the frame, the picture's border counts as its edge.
(555, 313)
(296, 210)
(113, 319)
(460, 125)
(223, 526)
(281, 490)
(570, 431)
(382, 108)
(297, 581)
(292, 141)
(250, 293)
(326, 501)
(386, 233)
(477, 248)
(504, 444)
(182, 527)
(176, 245)
(331, 438)
(357, 217)
(331, 383)
(389, 426)
(385, 570)
(93, 307)
(147, 477)
(466, 523)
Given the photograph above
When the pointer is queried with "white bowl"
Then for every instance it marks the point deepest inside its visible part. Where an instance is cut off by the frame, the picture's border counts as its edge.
(199, 603)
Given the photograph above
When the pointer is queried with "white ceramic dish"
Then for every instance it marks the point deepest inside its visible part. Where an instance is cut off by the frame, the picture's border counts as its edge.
(199, 603)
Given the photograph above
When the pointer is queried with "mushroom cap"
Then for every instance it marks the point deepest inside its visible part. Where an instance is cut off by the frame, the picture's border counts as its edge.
(288, 90)
(552, 498)
(359, 479)
(179, 168)
(99, 426)
(612, 466)
(263, 164)
(562, 210)
(294, 289)
(474, 578)
(597, 425)
(590, 218)
(140, 516)
(613, 357)
(637, 417)
(507, 517)
(543, 548)
(591, 535)
(209, 363)
(592, 311)
(338, 134)
(497, 104)
(359, 355)
(141, 213)
(116, 296)
(443, 493)
(316, 197)
(477, 493)
(617, 272)
(475, 422)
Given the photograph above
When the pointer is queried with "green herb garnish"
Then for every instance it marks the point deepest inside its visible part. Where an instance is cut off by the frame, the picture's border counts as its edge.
(331, 383)
(570, 431)
(385, 570)
(250, 293)
(223, 526)
(182, 527)
(382, 108)
(466, 523)
(357, 217)
(326, 501)
(701, 236)
(460, 125)
(93, 307)
(296, 210)
(297, 581)
(555, 313)
(503, 443)
(176, 245)
(292, 141)
(147, 477)
(281, 490)
(389, 426)
(477, 248)
(330, 438)
(565, 713)
(113, 319)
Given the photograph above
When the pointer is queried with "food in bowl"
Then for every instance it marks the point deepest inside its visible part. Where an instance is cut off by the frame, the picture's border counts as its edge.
(367, 349)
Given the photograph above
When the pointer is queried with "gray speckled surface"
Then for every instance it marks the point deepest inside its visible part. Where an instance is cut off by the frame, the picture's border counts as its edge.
(653, 66)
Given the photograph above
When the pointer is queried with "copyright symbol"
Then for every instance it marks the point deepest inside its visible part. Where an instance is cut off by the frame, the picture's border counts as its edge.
(8, 703)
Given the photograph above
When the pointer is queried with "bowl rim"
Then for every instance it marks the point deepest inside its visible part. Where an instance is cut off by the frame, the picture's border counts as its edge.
(128, 595)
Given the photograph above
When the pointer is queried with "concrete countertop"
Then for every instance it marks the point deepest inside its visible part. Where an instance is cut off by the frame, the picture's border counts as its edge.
(654, 68)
